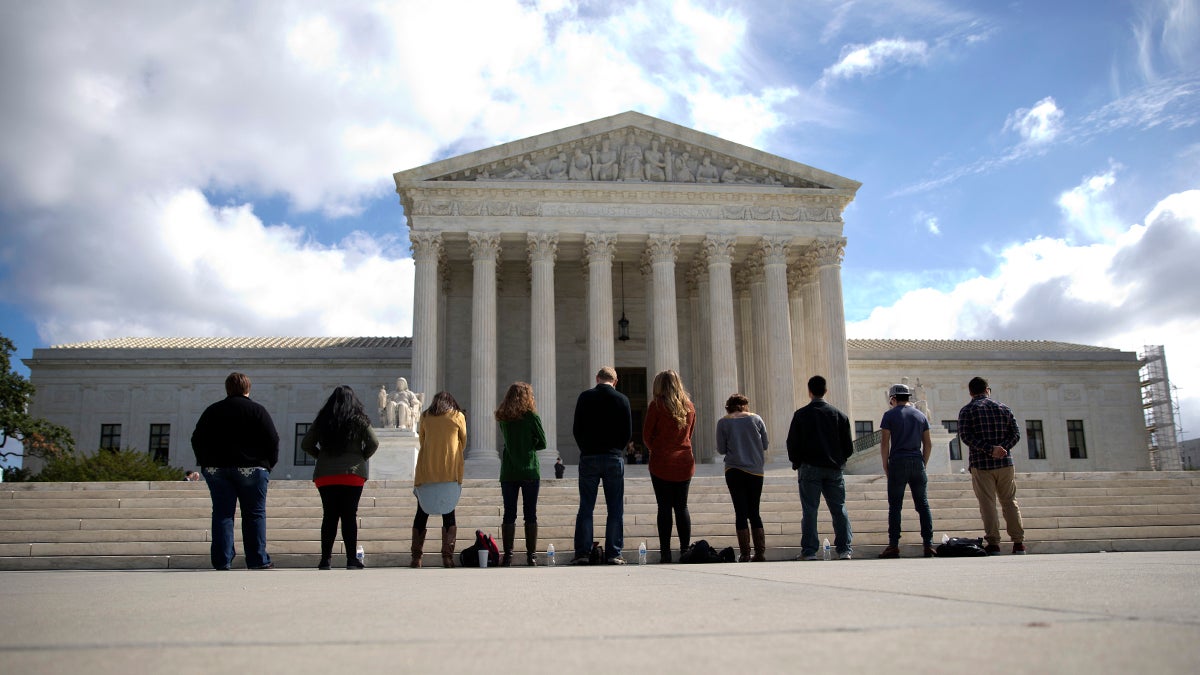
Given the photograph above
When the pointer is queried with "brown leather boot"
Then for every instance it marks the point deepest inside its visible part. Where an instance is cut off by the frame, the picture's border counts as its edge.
(449, 536)
(760, 545)
(508, 532)
(531, 544)
(744, 545)
(418, 547)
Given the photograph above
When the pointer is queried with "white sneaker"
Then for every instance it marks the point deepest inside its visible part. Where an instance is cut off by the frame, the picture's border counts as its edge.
(845, 556)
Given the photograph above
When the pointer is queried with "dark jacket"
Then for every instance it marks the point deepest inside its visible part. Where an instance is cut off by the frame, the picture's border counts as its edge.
(603, 421)
(819, 436)
(345, 456)
(236, 432)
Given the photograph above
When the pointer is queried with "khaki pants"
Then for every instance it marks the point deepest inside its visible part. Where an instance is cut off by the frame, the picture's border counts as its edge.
(993, 484)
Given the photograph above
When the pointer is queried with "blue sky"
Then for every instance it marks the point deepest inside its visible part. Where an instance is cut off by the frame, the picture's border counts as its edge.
(1030, 169)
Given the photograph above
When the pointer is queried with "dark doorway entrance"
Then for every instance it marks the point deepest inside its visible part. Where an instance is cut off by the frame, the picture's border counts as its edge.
(632, 383)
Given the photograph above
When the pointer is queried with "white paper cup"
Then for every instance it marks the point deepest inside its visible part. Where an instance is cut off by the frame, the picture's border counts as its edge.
(483, 556)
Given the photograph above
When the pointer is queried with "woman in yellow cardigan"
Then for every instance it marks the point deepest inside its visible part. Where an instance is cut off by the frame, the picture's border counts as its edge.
(442, 433)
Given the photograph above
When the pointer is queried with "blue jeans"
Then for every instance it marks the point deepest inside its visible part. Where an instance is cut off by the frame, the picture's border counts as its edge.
(230, 486)
(594, 469)
(529, 494)
(814, 482)
(908, 472)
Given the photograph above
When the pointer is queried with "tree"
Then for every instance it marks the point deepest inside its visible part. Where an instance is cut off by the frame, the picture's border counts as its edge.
(38, 437)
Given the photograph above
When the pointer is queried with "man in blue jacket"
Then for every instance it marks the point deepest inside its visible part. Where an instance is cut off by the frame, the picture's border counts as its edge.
(236, 446)
(818, 445)
(602, 428)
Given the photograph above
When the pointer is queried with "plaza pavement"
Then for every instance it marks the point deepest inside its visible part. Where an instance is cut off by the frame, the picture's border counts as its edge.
(1081, 613)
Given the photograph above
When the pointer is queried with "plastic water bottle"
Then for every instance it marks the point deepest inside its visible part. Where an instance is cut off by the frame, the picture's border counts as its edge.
(550, 555)
(360, 554)
(825, 549)
(642, 553)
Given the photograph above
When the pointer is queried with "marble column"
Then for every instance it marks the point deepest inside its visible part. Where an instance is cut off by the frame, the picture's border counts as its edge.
(779, 373)
(829, 253)
(599, 249)
(796, 314)
(698, 383)
(746, 335)
(646, 269)
(426, 249)
(543, 250)
(815, 361)
(663, 250)
(722, 322)
(760, 400)
(445, 279)
(481, 428)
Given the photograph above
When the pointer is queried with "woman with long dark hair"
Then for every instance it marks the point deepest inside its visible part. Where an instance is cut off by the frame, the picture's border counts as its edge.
(667, 433)
(442, 434)
(342, 441)
(742, 438)
(523, 435)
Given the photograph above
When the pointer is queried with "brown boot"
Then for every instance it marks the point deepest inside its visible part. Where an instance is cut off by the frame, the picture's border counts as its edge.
(449, 536)
(744, 544)
(508, 532)
(531, 544)
(760, 545)
(418, 547)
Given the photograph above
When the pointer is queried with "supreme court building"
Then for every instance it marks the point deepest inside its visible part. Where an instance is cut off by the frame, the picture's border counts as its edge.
(626, 241)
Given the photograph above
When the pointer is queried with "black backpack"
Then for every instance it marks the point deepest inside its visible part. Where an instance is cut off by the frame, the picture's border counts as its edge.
(469, 556)
(701, 552)
(961, 547)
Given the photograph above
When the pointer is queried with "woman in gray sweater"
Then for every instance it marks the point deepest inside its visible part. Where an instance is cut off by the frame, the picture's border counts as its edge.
(742, 438)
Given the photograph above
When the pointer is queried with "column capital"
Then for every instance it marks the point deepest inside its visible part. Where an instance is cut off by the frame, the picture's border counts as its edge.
(827, 252)
(484, 245)
(599, 247)
(774, 250)
(542, 246)
(755, 269)
(719, 249)
(662, 247)
(795, 277)
(425, 245)
(741, 280)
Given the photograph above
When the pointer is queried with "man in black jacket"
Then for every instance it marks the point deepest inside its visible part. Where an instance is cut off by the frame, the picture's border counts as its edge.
(602, 428)
(236, 446)
(818, 445)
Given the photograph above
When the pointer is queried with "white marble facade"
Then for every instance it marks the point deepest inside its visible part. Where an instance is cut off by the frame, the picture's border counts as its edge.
(726, 260)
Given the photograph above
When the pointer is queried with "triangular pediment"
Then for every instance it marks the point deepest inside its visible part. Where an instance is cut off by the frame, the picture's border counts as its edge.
(626, 148)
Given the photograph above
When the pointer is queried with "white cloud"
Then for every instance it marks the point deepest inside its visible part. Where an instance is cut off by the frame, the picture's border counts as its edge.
(1135, 288)
(862, 60)
(1037, 125)
(1089, 216)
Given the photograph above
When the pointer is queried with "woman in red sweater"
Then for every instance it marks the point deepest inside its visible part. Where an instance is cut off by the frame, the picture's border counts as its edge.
(667, 433)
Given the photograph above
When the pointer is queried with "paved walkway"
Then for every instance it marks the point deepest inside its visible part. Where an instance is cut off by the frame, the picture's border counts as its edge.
(1083, 613)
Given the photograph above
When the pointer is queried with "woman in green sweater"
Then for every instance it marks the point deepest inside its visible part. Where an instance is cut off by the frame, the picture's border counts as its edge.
(519, 471)
(342, 441)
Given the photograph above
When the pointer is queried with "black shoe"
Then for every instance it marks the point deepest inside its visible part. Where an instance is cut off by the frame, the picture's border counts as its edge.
(355, 564)
(992, 549)
(580, 561)
(325, 564)
(268, 566)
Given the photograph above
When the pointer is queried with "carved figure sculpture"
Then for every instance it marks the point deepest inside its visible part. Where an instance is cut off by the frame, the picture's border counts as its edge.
(683, 169)
(404, 406)
(730, 175)
(706, 172)
(656, 166)
(604, 163)
(631, 160)
(556, 168)
(581, 166)
(383, 404)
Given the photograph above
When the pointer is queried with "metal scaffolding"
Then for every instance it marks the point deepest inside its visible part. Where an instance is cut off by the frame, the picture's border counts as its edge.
(1160, 410)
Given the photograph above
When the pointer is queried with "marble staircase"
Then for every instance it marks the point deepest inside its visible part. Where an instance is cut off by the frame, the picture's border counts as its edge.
(165, 525)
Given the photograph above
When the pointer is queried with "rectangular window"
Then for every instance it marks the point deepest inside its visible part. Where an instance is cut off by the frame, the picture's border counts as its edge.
(1075, 440)
(862, 428)
(110, 436)
(955, 444)
(1035, 440)
(301, 458)
(160, 442)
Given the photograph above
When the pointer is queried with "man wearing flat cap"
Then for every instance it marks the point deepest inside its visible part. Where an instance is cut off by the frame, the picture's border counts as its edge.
(905, 446)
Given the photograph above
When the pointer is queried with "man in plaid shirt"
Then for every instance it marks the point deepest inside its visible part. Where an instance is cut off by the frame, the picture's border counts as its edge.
(989, 429)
